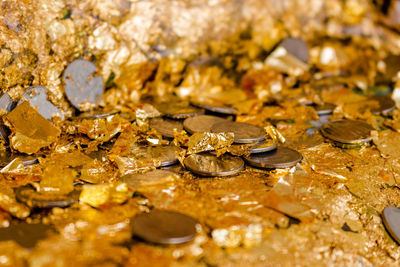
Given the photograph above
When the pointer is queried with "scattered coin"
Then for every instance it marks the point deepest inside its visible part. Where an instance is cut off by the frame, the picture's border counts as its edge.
(95, 114)
(244, 133)
(154, 177)
(7, 103)
(165, 154)
(37, 97)
(206, 164)
(261, 147)
(223, 109)
(179, 110)
(80, 84)
(34, 199)
(391, 220)
(347, 131)
(26, 235)
(200, 124)
(166, 126)
(164, 227)
(325, 109)
(386, 104)
(296, 47)
(282, 157)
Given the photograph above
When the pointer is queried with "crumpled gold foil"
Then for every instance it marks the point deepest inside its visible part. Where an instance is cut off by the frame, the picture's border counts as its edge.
(200, 142)
(31, 131)
(102, 194)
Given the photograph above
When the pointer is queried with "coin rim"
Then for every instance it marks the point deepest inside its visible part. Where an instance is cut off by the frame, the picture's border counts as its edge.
(241, 140)
(275, 166)
(219, 174)
(164, 240)
(332, 138)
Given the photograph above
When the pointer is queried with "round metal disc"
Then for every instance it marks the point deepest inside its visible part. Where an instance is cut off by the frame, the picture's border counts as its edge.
(96, 114)
(7, 103)
(165, 154)
(37, 97)
(164, 227)
(200, 124)
(282, 157)
(391, 220)
(154, 177)
(386, 104)
(26, 235)
(216, 108)
(347, 131)
(80, 85)
(244, 133)
(34, 199)
(178, 110)
(261, 147)
(166, 126)
(296, 47)
(206, 164)
(325, 109)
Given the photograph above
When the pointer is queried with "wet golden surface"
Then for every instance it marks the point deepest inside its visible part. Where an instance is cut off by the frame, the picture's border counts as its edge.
(227, 57)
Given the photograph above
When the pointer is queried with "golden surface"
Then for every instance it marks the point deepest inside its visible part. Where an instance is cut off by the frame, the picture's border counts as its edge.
(326, 211)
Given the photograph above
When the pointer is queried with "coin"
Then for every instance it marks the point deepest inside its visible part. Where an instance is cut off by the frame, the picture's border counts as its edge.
(223, 109)
(200, 124)
(391, 220)
(282, 157)
(165, 154)
(386, 104)
(325, 109)
(164, 227)
(154, 177)
(7, 103)
(296, 47)
(206, 164)
(347, 131)
(166, 126)
(179, 110)
(26, 235)
(37, 97)
(80, 85)
(261, 147)
(34, 199)
(95, 114)
(244, 133)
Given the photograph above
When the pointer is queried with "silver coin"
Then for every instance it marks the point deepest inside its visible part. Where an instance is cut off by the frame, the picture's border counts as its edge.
(166, 126)
(217, 109)
(7, 103)
(297, 48)
(244, 133)
(386, 104)
(206, 164)
(325, 109)
(164, 227)
(80, 85)
(347, 131)
(391, 220)
(200, 124)
(282, 157)
(96, 114)
(261, 147)
(165, 154)
(179, 110)
(37, 97)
